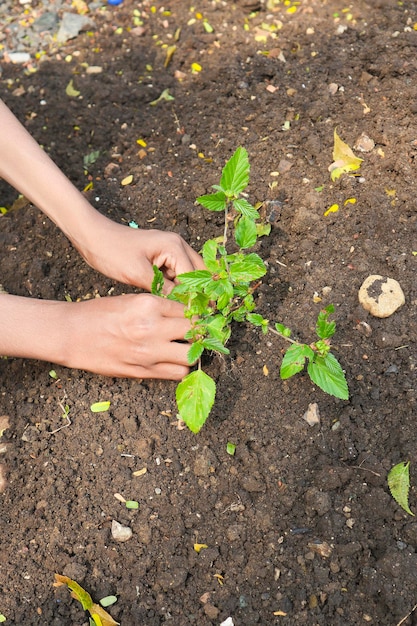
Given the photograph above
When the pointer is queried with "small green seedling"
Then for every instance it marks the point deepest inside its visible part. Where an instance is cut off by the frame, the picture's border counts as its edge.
(100, 407)
(322, 366)
(399, 484)
(223, 293)
(230, 448)
(2, 618)
(132, 504)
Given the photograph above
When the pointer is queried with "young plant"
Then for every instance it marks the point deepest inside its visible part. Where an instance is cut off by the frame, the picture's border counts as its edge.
(322, 366)
(223, 293)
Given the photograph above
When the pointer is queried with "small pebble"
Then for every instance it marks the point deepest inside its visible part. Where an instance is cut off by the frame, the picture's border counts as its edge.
(312, 415)
(119, 532)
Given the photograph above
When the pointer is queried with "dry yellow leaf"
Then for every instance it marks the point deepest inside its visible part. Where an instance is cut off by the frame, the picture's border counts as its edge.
(332, 209)
(200, 546)
(71, 91)
(140, 472)
(128, 180)
(344, 161)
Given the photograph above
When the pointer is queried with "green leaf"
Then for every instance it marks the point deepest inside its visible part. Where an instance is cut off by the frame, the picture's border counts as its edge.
(218, 328)
(100, 407)
(165, 95)
(283, 330)
(263, 230)
(211, 343)
(195, 397)
(213, 201)
(251, 267)
(326, 372)
(241, 205)
(245, 232)
(399, 484)
(196, 280)
(256, 319)
(209, 253)
(221, 291)
(324, 328)
(109, 600)
(294, 360)
(133, 505)
(230, 448)
(235, 174)
(2, 618)
(158, 281)
(195, 352)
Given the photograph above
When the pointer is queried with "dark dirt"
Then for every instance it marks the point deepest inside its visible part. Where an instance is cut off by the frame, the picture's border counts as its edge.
(300, 521)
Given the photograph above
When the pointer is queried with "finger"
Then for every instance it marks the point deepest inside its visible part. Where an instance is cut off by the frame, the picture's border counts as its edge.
(170, 308)
(166, 371)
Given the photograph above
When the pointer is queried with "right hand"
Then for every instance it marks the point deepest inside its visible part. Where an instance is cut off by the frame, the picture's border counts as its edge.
(133, 336)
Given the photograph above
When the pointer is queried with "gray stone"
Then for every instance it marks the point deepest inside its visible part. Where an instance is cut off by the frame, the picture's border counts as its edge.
(71, 26)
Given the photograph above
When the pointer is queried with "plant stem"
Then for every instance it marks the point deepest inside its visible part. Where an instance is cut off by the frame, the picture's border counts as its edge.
(272, 330)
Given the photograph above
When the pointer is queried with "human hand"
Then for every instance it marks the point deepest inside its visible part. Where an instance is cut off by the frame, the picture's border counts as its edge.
(128, 254)
(132, 336)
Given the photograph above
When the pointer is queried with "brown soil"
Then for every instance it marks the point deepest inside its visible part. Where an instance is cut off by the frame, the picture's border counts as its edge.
(269, 513)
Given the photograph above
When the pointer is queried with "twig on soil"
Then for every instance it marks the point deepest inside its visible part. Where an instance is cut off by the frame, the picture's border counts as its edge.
(365, 469)
(64, 410)
(407, 616)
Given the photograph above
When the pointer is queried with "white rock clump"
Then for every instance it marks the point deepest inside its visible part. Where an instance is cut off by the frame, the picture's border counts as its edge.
(381, 296)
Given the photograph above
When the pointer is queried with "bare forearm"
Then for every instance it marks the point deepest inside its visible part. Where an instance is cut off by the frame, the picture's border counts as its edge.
(33, 329)
(31, 171)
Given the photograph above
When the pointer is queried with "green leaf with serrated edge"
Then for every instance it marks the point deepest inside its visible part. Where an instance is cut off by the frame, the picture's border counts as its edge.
(197, 305)
(249, 303)
(294, 360)
(217, 328)
(256, 319)
(210, 343)
(195, 397)
(245, 232)
(399, 484)
(196, 280)
(239, 315)
(322, 346)
(241, 205)
(209, 254)
(283, 330)
(251, 267)
(158, 281)
(100, 407)
(221, 291)
(324, 328)
(326, 372)
(213, 201)
(195, 352)
(235, 174)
